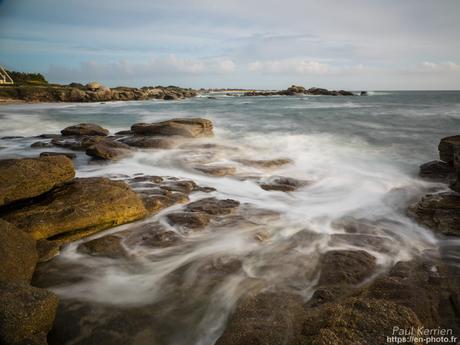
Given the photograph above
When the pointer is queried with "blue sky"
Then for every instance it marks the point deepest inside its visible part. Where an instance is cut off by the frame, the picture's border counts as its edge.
(354, 44)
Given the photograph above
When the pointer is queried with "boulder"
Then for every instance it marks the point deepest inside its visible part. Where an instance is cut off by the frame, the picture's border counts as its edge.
(18, 254)
(41, 144)
(47, 250)
(30, 177)
(440, 212)
(78, 209)
(26, 314)
(149, 142)
(109, 150)
(77, 142)
(446, 148)
(187, 127)
(94, 86)
(213, 206)
(85, 129)
(190, 220)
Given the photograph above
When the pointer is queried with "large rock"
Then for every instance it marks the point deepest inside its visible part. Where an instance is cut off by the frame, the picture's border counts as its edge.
(78, 209)
(109, 150)
(440, 212)
(265, 319)
(26, 314)
(18, 254)
(149, 142)
(85, 129)
(437, 170)
(191, 128)
(447, 146)
(94, 86)
(30, 177)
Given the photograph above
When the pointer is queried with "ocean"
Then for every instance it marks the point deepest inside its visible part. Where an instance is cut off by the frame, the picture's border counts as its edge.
(360, 156)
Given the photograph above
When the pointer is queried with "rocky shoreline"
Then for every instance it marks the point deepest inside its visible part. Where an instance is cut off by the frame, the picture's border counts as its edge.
(91, 92)
(44, 207)
(295, 90)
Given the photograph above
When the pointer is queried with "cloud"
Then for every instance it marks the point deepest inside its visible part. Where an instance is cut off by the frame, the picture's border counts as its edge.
(448, 66)
(289, 66)
(156, 66)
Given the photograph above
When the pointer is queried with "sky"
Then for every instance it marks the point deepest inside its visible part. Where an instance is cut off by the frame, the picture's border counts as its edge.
(268, 44)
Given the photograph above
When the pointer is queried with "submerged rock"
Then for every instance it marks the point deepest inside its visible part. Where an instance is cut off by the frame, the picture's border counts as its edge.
(109, 150)
(77, 142)
(190, 220)
(85, 129)
(69, 155)
(216, 170)
(18, 254)
(78, 209)
(440, 212)
(149, 142)
(30, 177)
(187, 127)
(107, 246)
(26, 314)
(283, 184)
(213, 206)
(265, 163)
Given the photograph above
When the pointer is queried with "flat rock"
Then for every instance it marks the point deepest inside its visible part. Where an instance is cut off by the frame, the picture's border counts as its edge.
(216, 170)
(147, 142)
(190, 220)
(30, 177)
(18, 254)
(265, 163)
(213, 206)
(26, 314)
(346, 267)
(283, 184)
(107, 246)
(440, 212)
(109, 150)
(85, 129)
(187, 127)
(69, 155)
(79, 143)
(78, 209)
(267, 318)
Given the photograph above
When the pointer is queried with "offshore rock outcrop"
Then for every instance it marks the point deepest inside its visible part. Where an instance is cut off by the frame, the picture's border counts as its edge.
(295, 90)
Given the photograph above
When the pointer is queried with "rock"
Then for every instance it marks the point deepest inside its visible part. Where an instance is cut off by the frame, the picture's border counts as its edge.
(85, 129)
(190, 220)
(437, 170)
(77, 143)
(283, 184)
(125, 132)
(94, 86)
(26, 314)
(363, 93)
(356, 321)
(108, 246)
(440, 212)
(150, 235)
(41, 144)
(78, 209)
(216, 170)
(295, 90)
(213, 206)
(47, 250)
(187, 127)
(69, 155)
(109, 150)
(149, 142)
(265, 319)
(184, 186)
(18, 254)
(30, 177)
(265, 163)
(446, 148)
(455, 186)
(346, 267)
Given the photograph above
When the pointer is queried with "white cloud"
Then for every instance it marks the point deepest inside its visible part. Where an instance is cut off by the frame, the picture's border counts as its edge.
(289, 66)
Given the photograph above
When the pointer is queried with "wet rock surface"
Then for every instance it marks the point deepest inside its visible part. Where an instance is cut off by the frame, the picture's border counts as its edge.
(79, 208)
(18, 254)
(187, 127)
(85, 129)
(283, 184)
(26, 314)
(109, 150)
(30, 177)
